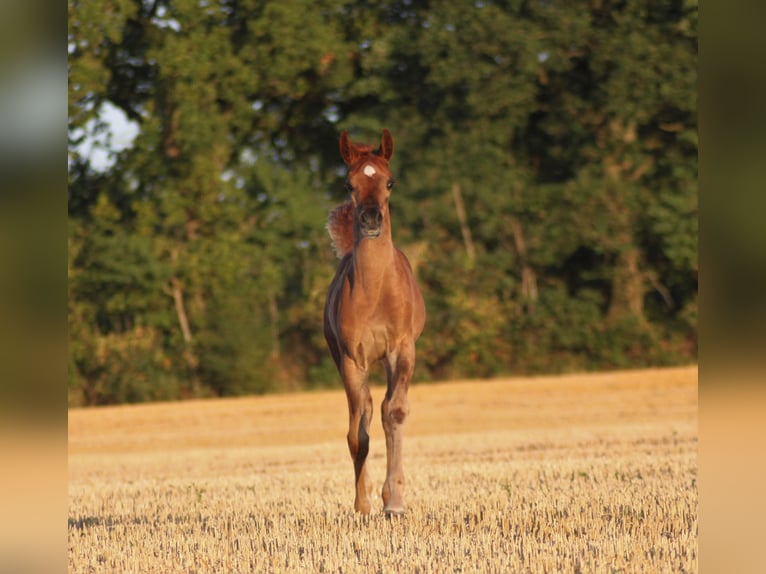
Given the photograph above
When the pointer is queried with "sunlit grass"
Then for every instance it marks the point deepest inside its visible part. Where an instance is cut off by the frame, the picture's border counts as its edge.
(590, 473)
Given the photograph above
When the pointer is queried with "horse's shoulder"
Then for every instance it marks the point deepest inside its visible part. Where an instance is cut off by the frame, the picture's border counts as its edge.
(402, 258)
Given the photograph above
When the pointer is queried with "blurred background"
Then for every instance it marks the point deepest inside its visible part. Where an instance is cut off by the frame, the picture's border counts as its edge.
(546, 166)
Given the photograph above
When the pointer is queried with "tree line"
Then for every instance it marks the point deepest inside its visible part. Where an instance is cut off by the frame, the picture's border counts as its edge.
(546, 166)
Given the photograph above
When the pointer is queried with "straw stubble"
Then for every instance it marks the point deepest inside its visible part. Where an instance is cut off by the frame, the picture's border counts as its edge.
(578, 473)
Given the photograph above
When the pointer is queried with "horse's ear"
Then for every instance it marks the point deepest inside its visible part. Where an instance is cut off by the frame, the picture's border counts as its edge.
(347, 150)
(387, 145)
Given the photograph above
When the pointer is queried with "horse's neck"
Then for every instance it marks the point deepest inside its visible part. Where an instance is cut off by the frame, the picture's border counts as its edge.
(373, 261)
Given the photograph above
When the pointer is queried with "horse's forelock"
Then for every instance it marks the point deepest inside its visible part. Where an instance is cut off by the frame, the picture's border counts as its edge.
(366, 149)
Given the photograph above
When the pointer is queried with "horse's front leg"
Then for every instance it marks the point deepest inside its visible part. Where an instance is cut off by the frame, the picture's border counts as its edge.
(359, 418)
(394, 411)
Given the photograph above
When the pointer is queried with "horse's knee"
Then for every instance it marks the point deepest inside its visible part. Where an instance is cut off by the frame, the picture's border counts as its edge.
(359, 439)
(398, 415)
(395, 412)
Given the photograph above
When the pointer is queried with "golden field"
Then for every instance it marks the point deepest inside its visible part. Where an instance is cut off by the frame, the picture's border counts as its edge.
(579, 473)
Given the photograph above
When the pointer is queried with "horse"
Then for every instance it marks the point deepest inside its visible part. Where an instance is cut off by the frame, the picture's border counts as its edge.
(374, 312)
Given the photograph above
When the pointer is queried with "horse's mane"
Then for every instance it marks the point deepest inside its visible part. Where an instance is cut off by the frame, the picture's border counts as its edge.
(340, 226)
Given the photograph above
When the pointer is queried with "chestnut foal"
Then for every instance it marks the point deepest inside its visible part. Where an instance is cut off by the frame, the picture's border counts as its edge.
(374, 311)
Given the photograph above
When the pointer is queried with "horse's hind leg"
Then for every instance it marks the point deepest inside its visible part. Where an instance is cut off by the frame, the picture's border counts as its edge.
(359, 418)
(394, 411)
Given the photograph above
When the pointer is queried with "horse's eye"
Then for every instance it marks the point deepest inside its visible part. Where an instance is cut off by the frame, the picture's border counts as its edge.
(349, 187)
(390, 183)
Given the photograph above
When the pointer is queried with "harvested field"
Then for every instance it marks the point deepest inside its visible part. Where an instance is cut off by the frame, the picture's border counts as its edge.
(591, 473)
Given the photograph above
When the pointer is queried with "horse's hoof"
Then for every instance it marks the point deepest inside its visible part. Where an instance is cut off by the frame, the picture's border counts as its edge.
(389, 512)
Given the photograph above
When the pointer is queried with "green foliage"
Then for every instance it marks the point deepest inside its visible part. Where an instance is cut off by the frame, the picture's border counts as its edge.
(546, 159)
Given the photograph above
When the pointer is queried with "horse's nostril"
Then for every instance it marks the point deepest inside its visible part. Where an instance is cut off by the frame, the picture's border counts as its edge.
(372, 216)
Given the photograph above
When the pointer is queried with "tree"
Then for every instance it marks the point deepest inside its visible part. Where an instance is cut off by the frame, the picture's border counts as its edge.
(546, 196)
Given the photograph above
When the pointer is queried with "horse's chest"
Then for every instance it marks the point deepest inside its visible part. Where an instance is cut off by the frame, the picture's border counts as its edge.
(373, 343)
(369, 332)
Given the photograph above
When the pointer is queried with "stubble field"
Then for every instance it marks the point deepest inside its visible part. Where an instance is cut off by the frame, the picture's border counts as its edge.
(581, 473)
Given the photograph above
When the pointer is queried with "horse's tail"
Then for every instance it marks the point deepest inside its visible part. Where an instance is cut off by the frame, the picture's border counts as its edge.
(340, 226)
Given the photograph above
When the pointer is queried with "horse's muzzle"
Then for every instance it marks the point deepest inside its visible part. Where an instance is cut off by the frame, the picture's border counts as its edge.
(371, 222)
